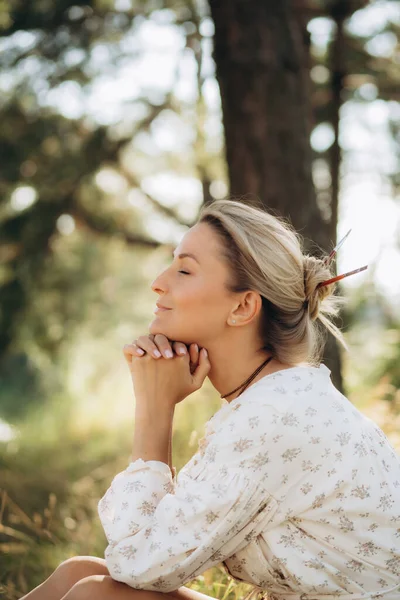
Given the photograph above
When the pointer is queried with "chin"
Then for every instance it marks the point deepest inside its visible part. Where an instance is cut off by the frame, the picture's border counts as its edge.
(171, 332)
(156, 327)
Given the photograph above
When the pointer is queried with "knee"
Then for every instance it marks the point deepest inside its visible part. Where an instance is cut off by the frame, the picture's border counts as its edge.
(74, 569)
(94, 586)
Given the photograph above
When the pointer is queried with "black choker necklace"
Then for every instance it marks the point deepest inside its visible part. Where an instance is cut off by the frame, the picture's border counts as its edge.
(249, 379)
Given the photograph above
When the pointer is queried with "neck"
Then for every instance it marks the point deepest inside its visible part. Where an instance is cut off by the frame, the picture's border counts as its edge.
(232, 364)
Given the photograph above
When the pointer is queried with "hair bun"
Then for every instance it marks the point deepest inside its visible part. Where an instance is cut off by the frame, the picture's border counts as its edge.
(315, 272)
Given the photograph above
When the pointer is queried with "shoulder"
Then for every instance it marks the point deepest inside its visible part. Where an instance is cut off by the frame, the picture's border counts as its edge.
(292, 405)
(247, 424)
(288, 389)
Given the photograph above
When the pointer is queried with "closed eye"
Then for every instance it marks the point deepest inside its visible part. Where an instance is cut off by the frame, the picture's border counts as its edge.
(184, 272)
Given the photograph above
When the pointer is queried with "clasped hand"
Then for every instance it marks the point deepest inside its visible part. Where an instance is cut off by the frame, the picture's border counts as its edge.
(164, 382)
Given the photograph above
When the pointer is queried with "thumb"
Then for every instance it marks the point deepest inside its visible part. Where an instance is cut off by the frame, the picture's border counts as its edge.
(202, 369)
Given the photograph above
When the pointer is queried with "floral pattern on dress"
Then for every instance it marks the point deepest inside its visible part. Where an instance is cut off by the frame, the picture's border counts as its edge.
(292, 490)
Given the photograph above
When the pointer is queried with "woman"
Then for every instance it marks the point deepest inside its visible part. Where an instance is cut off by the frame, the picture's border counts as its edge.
(292, 489)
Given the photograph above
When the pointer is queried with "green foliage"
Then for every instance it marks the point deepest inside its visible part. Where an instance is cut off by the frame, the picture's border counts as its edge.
(56, 470)
(75, 268)
(65, 297)
(53, 475)
(50, 163)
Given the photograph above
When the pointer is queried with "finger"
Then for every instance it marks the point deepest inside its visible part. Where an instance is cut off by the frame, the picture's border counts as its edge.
(162, 342)
(148, 346)
(194, 353)
(137, 350)
(131, 350)
(179, 348)
(202, 370)
(194, 357)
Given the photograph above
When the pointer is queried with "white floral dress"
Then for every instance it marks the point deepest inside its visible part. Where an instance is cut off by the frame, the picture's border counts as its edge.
(292, 490)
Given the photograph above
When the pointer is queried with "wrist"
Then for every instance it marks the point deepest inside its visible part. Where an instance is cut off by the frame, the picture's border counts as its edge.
(153, 432)
(156, 416)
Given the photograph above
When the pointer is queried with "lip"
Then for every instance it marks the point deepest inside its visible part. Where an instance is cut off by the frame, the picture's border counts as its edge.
(160, 308)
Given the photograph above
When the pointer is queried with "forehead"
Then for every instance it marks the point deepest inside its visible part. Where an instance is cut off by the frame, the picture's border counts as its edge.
(200, 240)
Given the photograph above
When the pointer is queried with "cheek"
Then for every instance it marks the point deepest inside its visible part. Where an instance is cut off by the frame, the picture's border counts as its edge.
(190, 295)
(196, 303)
(198, 315)
(205, 304)
(200, 295)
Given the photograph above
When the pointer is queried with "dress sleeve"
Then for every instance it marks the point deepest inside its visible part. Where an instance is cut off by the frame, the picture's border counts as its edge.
(163, 532)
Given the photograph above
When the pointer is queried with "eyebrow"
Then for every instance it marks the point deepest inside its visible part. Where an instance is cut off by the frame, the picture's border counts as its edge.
(184, 254)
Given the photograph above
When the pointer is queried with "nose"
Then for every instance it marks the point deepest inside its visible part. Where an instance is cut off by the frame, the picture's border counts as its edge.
(158, 286)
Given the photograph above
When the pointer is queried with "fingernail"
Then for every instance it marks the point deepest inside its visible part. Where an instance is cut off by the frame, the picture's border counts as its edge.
(205, 352)
(157, 353)
(168, 354)
(197, 348)
(140, 351)
(182, 351)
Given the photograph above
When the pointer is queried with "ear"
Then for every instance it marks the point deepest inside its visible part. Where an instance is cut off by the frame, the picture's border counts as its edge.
(247, 310)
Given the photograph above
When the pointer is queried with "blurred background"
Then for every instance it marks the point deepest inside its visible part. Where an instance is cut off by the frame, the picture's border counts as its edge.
(119, 119)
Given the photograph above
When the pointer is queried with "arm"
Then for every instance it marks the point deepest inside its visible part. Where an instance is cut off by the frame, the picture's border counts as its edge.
(161, 534)
(153, 433)
(170, 452)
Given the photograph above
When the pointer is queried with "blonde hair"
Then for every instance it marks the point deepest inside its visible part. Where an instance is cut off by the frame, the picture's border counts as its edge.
(264, 253)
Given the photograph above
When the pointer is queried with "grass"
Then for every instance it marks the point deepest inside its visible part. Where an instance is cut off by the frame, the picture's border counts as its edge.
(64, 458)
(52, 477)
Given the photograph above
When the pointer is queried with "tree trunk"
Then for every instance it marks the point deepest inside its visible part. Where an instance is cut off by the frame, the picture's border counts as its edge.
(339, 13)
(260, 67)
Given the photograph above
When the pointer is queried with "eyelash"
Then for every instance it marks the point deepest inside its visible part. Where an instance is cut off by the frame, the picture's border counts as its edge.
(183, 272)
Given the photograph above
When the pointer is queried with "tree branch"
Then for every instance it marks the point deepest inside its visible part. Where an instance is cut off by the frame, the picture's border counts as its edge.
(103, 227)
(168, 212)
